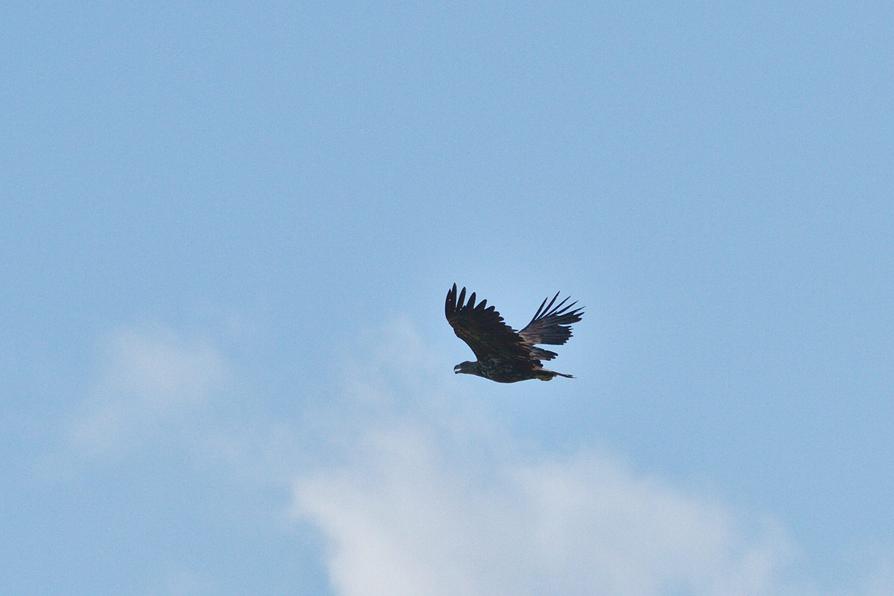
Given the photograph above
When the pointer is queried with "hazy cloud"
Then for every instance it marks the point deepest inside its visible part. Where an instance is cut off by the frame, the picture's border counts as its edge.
(416, 488)
(438, 501)
(149, 380)
(404, 517)
(880, 581)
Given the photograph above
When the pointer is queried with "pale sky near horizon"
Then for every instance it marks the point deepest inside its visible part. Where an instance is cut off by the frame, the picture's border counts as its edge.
(227, 235)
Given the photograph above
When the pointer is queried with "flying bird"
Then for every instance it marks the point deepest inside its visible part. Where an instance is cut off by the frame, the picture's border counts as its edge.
(505, 355)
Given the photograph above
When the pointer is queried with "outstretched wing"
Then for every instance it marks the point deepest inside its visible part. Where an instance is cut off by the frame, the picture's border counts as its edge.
(483, 328)
(551, 325)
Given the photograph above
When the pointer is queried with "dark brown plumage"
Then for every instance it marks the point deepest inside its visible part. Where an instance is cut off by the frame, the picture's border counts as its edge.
(505, 355)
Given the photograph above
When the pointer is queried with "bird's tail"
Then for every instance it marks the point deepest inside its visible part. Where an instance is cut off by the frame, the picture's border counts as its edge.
(547, 375)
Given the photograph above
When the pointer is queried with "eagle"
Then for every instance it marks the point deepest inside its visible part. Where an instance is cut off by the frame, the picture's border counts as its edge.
(505, 355)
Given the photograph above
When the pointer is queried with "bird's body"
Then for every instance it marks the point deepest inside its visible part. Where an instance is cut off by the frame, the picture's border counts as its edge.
(505, 355)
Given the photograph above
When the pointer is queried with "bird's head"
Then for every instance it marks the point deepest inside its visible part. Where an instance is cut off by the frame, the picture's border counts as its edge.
(469, 368)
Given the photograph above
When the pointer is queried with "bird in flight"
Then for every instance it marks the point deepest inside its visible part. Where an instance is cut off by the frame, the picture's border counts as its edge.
(505, 355)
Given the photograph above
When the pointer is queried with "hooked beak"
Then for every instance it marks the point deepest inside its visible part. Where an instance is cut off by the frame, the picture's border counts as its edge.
(456, 369)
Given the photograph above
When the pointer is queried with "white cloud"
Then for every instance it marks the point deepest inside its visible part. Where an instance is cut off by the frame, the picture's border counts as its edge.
(149, 381)
(404, 517)
(417, 489)
(438, 501)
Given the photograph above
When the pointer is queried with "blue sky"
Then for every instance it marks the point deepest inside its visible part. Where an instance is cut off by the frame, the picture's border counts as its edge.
(227, 236)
